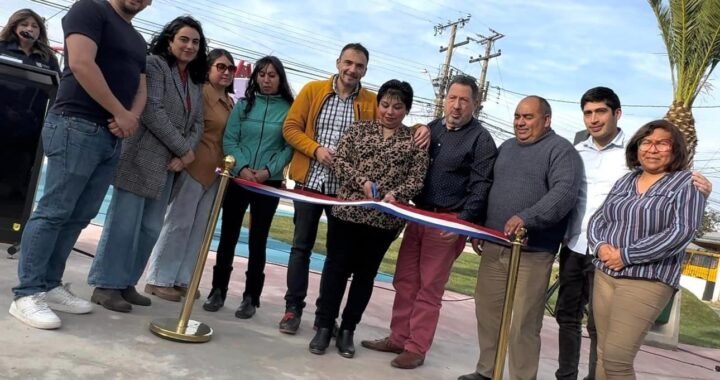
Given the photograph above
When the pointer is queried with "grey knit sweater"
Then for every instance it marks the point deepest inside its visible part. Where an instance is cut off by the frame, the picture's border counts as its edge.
(539, 182)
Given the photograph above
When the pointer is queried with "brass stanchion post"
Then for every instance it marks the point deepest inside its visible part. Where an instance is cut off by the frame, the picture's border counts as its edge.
(506, 318)
(184, 329)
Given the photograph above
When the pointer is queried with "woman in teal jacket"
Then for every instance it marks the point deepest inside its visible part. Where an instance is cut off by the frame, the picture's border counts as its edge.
(253, 135)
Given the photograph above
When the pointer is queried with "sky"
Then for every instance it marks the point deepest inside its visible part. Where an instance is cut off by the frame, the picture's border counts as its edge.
(556, 49)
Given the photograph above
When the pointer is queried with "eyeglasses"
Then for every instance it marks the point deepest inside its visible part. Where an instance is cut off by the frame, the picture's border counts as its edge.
(221, 67)
(660, 145)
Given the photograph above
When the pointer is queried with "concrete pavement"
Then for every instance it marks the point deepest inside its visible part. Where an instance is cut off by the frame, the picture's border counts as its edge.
(109, 345)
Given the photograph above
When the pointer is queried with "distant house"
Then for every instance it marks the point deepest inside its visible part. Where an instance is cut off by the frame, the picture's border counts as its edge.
(700, 269)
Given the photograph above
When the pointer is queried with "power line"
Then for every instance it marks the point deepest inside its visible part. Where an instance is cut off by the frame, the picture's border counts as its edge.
(576, 102)
(150, 28)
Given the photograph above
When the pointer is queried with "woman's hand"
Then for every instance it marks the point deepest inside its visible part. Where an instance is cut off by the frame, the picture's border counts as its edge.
(176, 165)
(389, 197)
(188, 157)
(261, 175)
(611, 257)
(367, 189)
(247, 175)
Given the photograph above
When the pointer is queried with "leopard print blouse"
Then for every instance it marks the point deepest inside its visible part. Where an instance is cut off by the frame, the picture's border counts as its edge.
(395, 164)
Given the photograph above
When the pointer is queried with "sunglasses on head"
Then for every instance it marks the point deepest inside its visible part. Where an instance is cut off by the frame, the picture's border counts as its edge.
(222, 67)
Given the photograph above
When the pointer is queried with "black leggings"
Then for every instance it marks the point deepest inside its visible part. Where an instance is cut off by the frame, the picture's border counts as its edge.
(262, 210)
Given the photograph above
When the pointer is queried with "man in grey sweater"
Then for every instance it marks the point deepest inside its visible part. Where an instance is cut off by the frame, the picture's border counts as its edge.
(537, 179)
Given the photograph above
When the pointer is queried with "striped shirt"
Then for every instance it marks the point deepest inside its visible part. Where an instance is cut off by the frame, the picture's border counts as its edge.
(334, 119)
(651, 229)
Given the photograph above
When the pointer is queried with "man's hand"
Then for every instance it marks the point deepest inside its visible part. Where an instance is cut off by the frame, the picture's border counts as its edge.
(176, 165)
(124, 124)
(261, 175)
(513, 224)
(422, 136)
(449, 236)
(247, 175)
(188, 157)
(702, 184)
(325, 156)
(476, 246)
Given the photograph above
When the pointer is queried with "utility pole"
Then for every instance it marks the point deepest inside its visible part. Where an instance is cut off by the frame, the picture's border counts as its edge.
(483, 84)
(443, 80)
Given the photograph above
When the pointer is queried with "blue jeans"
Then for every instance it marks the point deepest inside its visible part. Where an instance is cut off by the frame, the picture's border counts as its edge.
(81, 161)
(306, 218)
(176, 252)
(131, 229)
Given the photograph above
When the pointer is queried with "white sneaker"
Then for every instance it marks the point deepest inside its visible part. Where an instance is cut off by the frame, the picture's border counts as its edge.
(62, 299)
(34, 311)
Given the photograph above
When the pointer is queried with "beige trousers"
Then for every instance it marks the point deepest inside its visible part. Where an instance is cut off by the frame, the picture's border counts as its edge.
(528, 310)
(624, 310)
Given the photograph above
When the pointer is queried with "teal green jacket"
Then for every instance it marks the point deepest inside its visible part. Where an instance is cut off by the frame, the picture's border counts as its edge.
(255, 139)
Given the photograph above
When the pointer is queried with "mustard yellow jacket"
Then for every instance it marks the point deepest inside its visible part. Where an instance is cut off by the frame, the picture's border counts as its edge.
(299, 126)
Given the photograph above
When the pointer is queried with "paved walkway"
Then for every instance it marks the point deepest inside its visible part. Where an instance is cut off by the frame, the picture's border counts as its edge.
(112, 345)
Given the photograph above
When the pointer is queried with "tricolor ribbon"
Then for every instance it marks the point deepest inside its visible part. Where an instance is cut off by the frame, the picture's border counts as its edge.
(443, 221)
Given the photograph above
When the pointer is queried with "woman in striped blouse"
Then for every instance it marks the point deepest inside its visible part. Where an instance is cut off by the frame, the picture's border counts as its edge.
(639, 237)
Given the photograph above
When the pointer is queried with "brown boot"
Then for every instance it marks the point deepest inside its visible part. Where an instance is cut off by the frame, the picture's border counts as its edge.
(165, 292)
(408, 360)
(183, 291)
(382, 345)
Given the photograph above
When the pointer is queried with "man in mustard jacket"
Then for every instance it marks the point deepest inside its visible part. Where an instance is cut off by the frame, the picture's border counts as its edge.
(321, 113)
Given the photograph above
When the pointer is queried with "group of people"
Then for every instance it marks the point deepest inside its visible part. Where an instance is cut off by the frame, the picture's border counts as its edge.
(156, 121)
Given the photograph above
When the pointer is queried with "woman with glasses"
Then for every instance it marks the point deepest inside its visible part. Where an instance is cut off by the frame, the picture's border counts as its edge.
(174, 256)
(254, 137)
(170, 129)
(638, 237)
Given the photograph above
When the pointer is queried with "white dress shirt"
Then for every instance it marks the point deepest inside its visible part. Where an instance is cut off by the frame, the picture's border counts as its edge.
(603, 166)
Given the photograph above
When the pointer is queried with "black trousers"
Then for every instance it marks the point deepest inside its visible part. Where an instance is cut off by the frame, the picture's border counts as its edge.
(352, 249)
(306, 218)
(262, 210)
(576, 282)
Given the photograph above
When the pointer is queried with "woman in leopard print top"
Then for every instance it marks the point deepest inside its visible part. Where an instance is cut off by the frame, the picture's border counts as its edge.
(378, 160)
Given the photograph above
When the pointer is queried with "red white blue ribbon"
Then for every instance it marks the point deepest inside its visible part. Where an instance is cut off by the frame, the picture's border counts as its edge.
(445, 222)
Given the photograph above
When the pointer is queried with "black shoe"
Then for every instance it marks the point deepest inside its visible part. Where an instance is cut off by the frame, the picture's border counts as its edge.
(321, 341)
(335, 328)
(290, 321)
(216, 299)
(246, 309)
(111, 299)
(131, 295)
(344, 343)
(473, 376)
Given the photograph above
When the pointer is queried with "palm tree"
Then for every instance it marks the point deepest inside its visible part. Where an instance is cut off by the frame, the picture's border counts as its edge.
(691, 32)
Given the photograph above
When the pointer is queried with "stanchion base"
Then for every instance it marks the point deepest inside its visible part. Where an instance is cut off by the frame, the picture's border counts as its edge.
(196, 332)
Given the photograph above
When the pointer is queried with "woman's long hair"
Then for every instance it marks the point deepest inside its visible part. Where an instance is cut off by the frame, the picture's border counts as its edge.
(213, 56)
(41, 45)
(160, 45)
(253, 86)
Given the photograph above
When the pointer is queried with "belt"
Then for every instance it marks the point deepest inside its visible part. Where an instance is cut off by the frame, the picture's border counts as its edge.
(98, 122)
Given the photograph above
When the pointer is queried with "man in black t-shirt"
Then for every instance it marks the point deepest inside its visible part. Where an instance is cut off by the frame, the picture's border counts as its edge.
(101, 96)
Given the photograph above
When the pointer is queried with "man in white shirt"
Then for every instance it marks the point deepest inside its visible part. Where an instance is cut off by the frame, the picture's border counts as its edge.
(603, 156)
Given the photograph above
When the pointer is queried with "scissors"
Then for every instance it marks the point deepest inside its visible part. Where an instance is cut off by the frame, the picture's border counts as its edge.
(374, 191)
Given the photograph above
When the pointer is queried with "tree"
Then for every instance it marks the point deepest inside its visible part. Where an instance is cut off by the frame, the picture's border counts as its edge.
(691, 32)
(710, 222)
